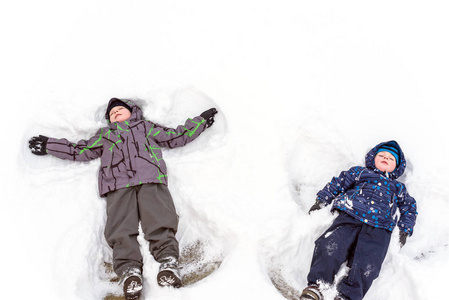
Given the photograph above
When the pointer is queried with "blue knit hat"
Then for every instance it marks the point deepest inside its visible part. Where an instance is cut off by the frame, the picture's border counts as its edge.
(391, 149)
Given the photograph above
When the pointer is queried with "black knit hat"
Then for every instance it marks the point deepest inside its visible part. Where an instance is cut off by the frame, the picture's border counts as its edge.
(116, 102)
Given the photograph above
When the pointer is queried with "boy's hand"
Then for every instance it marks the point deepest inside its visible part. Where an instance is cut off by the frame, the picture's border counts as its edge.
(318, 205)
(208, 115)
(403, 238)
(38, 145)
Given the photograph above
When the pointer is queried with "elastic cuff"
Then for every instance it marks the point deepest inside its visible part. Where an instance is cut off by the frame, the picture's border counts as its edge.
(167, 254)
(123, 269)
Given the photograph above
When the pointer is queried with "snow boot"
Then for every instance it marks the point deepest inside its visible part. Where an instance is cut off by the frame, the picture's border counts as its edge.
(169, 273)
(132, 283)
(312, 292)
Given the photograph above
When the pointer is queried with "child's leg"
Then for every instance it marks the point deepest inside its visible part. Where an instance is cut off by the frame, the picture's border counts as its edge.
(122, 229)
(371, 249)
(332, 248)
(159, 220)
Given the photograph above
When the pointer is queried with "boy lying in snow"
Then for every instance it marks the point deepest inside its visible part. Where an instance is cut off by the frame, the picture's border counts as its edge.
(133, 177)
(366, 199)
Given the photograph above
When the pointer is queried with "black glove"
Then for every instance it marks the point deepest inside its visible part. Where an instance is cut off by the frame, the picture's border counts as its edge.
(318, 205)
(38, 145)
(208, 115)
(403, 238)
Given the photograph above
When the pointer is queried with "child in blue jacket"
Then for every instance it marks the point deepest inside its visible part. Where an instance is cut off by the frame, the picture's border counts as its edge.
(369, 201)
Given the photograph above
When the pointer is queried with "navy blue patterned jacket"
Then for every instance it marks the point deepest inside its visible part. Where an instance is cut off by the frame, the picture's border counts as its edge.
(372, 196)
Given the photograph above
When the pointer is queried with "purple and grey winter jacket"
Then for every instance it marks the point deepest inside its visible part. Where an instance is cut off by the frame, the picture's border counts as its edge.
(371, 196)
(130, 151)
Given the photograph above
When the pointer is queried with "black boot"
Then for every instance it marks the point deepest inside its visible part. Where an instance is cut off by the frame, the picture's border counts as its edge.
(169, 273)
(312, 292)
(132, 283)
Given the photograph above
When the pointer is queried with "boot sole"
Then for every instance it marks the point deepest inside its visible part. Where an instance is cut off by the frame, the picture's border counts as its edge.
(167, 278)
(135, 293)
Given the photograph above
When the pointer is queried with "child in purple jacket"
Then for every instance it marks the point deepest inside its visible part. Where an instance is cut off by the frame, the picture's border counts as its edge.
(133, 178)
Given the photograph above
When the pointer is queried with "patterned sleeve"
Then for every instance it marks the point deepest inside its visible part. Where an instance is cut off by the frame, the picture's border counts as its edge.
(339, 185)
(84, 150)
(179, 136)
(407, 208)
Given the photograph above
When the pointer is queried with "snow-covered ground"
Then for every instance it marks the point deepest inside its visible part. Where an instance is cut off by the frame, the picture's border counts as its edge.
(304, 90)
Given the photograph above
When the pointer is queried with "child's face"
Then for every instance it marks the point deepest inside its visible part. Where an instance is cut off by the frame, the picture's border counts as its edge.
(119, 114)
(385, 161)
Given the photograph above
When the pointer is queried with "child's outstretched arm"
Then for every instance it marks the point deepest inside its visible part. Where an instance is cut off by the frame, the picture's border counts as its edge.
(183, 134)
(338, 185)
(84, 150)
(407, 207)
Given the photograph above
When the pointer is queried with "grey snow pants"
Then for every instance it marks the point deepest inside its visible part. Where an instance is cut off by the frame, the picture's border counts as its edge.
(153, 205)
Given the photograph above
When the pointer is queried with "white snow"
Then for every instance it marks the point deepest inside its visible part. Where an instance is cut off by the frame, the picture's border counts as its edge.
(304, 90)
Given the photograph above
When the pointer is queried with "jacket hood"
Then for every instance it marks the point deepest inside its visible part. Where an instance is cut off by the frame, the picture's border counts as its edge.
(369, 159)
(136, 112)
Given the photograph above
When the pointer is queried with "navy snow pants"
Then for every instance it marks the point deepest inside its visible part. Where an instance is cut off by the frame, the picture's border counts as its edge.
(364, 248)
